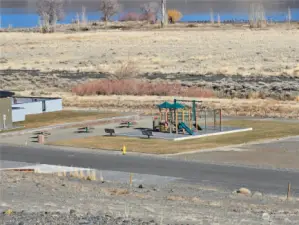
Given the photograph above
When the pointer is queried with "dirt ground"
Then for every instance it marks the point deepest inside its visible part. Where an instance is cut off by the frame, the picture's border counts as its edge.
(171, 203)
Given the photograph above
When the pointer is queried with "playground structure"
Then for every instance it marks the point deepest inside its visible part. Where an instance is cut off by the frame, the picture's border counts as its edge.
(182, 118)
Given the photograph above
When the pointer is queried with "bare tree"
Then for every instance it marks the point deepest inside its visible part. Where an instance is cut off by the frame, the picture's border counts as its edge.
(150, 10)
(257, 16)
(151, 7)
(109, 8)
(289, 17)
(50, 11)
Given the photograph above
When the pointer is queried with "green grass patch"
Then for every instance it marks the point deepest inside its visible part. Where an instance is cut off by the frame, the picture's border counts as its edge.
(261, 130)
(60, 117)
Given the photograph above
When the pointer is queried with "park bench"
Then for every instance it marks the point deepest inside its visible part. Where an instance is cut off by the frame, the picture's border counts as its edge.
(85, 129)
(109, 131)
(147, 133)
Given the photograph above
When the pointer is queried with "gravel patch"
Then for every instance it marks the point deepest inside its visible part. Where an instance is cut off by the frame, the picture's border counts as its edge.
(47, 199)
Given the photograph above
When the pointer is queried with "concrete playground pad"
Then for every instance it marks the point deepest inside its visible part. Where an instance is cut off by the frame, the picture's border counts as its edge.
(179, 137)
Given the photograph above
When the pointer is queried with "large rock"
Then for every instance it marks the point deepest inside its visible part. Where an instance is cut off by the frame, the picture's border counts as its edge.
(266, 216)
(244, 191)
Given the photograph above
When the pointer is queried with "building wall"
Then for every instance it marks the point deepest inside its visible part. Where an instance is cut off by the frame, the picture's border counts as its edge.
(5, 113)
(18, 114)
(53, 105)
(32, 107)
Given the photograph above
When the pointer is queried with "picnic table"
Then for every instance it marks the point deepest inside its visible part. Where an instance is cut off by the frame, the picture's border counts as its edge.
(128, 123)
(147, 133)
(109, 131)
(86, 129)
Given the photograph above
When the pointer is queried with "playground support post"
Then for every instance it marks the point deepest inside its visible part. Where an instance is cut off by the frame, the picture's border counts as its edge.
(205, 119)
(220, 115)
(214, 119)
(189, 118)
(176, 122)
(183, 119)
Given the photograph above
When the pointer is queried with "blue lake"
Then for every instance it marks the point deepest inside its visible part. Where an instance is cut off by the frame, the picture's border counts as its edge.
(22, 18)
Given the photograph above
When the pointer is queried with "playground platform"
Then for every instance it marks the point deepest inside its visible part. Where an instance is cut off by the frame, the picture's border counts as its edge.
(179, 137)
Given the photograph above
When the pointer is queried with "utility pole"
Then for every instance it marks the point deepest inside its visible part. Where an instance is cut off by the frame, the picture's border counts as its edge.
(163, 8)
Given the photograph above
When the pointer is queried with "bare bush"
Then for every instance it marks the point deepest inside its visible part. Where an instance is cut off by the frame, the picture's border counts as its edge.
(109, 8)
(50, 11)
(127, 70)
(131, 16)
(257, 17)
(137, 87)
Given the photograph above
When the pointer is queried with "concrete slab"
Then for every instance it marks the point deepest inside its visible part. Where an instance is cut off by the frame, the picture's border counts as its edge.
(179, 137)
(104, 175)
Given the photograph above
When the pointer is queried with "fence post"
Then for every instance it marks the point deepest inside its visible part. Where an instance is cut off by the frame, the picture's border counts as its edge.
(289, 191)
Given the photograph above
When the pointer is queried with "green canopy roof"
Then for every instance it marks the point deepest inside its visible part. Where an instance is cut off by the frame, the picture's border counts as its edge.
(177, 106)
(167, 105)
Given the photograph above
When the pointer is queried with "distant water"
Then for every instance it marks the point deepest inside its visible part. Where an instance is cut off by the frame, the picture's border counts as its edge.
(23, 15)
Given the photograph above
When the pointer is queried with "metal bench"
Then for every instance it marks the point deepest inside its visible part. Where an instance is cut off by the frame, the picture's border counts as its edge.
(109, 131)
(147, 133)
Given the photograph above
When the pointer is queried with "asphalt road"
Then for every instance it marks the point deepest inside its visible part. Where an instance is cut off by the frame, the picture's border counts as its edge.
(232, 177)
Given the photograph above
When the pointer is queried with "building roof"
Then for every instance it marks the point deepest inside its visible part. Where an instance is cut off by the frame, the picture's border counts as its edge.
(6, 94)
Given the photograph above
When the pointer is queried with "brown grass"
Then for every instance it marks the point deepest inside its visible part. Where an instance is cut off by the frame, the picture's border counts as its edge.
(118, 192)
(65, 116)
(261, 130)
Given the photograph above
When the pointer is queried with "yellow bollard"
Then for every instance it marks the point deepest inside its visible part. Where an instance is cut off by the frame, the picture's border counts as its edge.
(124, 150)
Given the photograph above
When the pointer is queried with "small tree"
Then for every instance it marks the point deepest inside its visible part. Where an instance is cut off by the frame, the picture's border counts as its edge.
(109, 8)
(50, 11)
(257, 17)
(174, 15)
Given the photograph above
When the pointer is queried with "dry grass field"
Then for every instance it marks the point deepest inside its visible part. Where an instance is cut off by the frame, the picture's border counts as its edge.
(173, 53)
(183, 50)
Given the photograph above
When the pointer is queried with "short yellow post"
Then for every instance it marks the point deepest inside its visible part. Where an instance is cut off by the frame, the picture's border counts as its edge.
(124, 150)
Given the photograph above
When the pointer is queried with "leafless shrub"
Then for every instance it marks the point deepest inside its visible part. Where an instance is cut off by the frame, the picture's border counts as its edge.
(109, 8)
(257, 17)
(50, 11)
(127, 70)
